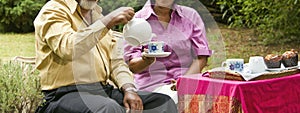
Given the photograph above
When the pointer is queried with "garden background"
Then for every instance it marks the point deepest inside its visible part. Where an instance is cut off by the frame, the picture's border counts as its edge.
(247, 28)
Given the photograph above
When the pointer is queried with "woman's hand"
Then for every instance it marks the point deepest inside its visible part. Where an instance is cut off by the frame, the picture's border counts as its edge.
(174, 83)
(148, 60)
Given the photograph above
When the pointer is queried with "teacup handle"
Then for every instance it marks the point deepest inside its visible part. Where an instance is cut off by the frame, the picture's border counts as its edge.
(224, 64)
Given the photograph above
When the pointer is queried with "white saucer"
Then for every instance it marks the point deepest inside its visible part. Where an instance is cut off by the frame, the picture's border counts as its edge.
(164, 54)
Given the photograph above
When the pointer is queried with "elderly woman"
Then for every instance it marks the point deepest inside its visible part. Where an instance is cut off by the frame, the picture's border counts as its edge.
(183, 31)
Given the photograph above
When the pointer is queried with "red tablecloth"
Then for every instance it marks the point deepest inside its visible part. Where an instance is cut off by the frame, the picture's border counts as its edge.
(279, 95)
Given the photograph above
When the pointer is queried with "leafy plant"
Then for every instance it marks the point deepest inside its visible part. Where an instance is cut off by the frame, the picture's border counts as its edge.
(20, 90)
(276, 22)
(18, 15)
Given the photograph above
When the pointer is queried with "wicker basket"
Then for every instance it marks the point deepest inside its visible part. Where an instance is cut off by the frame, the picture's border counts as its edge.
(227, 75)
(277, 74)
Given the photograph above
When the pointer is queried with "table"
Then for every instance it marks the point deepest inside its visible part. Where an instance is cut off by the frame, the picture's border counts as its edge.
(197, 94)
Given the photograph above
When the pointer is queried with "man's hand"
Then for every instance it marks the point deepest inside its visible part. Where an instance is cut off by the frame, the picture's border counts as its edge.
(132, 100)
(119, 16)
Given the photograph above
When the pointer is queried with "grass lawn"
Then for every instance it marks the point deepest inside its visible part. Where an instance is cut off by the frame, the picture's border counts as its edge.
(243, 43)
(12, 45)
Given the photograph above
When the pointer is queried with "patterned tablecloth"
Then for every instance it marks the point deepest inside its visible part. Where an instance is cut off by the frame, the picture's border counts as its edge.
(197, 94)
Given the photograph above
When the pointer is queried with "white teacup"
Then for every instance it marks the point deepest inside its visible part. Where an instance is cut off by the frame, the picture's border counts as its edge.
(156, 47)
(138, 32)
(256, 64)
(236, 65)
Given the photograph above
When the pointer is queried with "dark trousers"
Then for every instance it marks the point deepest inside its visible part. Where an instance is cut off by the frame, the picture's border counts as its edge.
(98, 98)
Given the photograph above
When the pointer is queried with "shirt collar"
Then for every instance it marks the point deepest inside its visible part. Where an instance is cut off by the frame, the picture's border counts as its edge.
(72, 5)
(149, 10)
(178, 10)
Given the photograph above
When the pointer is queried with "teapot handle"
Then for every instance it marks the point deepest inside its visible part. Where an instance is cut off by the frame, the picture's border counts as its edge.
(125, 28)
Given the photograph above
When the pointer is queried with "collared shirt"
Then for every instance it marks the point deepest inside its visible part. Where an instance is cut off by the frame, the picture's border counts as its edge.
(184, 37)
(69, 51)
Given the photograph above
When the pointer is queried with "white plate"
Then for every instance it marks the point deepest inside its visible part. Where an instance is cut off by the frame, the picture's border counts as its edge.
(293, 67)
(164, 54)
(282, 68)
(275, 69)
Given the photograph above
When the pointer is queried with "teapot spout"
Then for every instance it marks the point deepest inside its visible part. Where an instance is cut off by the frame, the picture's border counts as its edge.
(145, 43)
(149, 40)
(153, 35)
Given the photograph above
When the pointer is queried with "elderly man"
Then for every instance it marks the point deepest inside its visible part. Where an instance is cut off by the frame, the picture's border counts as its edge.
(76, 55)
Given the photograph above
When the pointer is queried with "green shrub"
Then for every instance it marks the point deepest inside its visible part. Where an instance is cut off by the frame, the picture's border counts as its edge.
(20, 91)
(276, 22)
(18, 15)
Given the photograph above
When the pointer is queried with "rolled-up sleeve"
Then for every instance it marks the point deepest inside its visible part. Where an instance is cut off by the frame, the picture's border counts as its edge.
(198, 40)
(131, 52)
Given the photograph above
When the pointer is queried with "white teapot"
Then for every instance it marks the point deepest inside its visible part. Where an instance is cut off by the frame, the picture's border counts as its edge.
(138, 32)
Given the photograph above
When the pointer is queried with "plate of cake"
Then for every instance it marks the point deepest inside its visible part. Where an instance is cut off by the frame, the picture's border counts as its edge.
(288, 60)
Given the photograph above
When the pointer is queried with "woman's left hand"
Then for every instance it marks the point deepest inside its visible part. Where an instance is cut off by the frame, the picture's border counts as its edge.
(174, 83)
